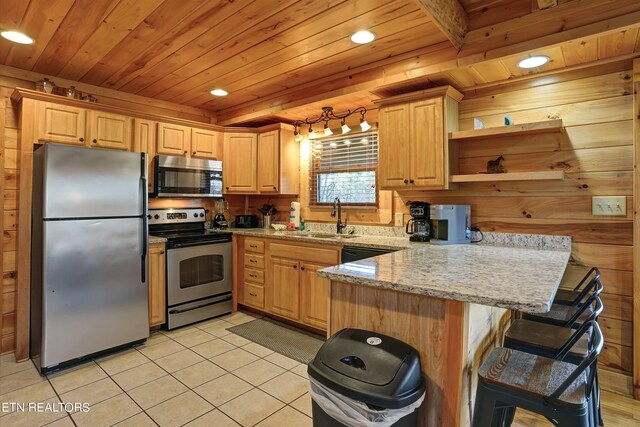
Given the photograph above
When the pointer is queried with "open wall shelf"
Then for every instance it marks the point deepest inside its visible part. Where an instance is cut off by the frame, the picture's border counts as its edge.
(509, 176)
(523, 129)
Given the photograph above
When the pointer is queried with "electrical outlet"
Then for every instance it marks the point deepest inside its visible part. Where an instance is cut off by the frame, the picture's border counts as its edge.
(609, 205)
(399, 220)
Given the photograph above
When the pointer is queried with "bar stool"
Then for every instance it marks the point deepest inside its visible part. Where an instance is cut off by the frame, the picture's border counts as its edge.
(558, 390)
(567, 316)
(550, 340)
(575, 296)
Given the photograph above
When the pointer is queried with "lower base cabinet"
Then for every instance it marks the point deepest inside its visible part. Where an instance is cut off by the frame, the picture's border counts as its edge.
(156, 282)
(291, 289)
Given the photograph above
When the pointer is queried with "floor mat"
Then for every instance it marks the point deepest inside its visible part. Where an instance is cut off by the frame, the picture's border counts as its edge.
(281, 338)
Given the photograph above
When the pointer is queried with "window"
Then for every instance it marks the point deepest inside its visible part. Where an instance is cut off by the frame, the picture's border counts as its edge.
(346, 167)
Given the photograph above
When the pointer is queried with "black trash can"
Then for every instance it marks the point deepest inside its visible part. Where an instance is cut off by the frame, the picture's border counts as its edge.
(362, 378)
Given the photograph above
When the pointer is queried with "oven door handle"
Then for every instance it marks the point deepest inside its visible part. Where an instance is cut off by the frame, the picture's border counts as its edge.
(187, 245)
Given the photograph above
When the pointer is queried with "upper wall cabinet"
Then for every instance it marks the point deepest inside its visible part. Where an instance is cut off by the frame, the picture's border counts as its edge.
(78, 126)
(278, 162)
(413, 144)
(205, 143)
(173, 139)
(266, 163)
(240, 165)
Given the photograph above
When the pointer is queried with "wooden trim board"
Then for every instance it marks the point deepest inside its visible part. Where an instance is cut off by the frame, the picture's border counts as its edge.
(523, 129)
(509, 176)
(636, 230)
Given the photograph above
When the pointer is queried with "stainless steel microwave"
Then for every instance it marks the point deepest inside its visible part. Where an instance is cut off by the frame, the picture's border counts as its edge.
(176, 176)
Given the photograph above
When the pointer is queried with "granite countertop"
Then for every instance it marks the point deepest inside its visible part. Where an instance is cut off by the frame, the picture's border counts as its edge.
(156, 239)
(382, 242)
(516, 278)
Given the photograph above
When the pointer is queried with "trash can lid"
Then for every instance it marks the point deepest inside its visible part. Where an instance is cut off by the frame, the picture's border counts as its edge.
(371, 367)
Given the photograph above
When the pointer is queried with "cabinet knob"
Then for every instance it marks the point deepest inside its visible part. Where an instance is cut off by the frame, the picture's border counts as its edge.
(252, 294)
(227, 188)
(411, 181)
(81, 139)
(161, 252)
(274, 187)
(194, 153)
(94, 141)
(302, 268)
(253, 275)
(253, 261)
(406, 181)
(295, 266)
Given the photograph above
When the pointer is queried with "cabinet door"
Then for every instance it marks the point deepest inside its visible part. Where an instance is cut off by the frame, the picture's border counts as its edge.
(284, 280)
(144, 141)
(268, 162)
(61, 123)
(393, 146)
(173, 139)
(427, 143)
(240, 163)
(107, 130)
(204, 143)
(156, 280)
(314, 296)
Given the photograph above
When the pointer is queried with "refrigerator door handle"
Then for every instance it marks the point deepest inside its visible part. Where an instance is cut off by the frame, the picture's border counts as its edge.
(145, 232)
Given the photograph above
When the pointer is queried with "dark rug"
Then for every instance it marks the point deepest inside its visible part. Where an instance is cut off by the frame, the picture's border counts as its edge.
(287, 340)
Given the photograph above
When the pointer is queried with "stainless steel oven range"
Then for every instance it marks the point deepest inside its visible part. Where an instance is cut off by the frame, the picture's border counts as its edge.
(199, 265)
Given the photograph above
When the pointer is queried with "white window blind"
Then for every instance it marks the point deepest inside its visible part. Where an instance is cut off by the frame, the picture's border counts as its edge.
(344, 166)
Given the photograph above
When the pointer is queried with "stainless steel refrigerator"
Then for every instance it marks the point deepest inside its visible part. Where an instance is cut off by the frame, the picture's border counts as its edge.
(89, 253)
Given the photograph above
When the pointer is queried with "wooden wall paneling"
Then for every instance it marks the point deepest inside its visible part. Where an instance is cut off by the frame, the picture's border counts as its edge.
(636, 229)
(27, 137)
(2, 209)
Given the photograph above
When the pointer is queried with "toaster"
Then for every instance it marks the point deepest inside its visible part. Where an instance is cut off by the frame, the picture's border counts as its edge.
(246, 221)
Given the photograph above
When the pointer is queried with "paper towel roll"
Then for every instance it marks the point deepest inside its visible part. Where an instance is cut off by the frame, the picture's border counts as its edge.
(294, 214)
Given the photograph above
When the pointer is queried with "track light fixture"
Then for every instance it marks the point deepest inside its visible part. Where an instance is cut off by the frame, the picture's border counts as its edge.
(327, 115)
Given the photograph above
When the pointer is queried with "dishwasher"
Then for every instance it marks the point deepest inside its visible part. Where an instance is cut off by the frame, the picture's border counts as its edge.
(354, 253)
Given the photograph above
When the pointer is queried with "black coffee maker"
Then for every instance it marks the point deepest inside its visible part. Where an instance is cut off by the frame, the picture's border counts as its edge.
(418, 226)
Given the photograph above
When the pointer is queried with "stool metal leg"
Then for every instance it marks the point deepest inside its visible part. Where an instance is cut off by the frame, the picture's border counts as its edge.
(484, 409)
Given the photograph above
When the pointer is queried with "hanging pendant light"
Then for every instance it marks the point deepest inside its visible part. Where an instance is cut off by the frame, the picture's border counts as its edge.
(327, 115)
(327, 129)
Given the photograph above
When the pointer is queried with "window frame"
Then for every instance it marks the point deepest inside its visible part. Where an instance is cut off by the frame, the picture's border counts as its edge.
(315, 171)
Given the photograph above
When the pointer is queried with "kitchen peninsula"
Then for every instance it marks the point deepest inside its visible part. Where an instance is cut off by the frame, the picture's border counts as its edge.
(452, 303)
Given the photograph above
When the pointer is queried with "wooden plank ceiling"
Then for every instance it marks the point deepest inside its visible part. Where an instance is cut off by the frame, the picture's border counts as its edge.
(276, 60)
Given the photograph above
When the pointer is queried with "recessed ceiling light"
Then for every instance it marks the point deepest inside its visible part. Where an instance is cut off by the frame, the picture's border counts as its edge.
(534, 61)
(362, 37)
(219, 92)
(17, 37)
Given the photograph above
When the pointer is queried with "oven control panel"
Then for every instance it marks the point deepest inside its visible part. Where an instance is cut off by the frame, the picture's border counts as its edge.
(176, 216)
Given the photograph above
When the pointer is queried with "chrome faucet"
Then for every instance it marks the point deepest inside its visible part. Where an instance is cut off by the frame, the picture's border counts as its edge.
(339, 225)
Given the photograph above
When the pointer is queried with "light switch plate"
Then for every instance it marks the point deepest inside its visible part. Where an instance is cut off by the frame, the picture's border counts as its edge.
(609, 205)
(399, 220)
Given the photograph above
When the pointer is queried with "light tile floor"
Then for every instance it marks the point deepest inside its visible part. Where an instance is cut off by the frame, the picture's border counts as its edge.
(201, 375)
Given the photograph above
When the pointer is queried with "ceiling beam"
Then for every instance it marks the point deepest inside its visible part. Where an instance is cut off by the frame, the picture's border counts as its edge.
(540, 29)
(449, 16)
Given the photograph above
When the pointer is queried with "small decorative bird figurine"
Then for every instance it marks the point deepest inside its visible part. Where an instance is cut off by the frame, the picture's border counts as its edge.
(494, 166)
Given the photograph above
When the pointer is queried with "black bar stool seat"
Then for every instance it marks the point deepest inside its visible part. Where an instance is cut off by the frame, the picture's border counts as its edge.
(566, 296)
(547, 340)
(562, 392)
(532, 375)
(579, 293)
(560, 315)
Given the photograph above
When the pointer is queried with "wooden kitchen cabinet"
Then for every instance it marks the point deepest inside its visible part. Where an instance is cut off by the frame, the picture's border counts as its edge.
(240, 171)
(278, 162)
(156, 282)
(314, 296)
(205, 144)
(108, 130)
(414, 150)
(173, 139)
(144, 141)
(61, 123)
(284, 289)
(78, 126)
